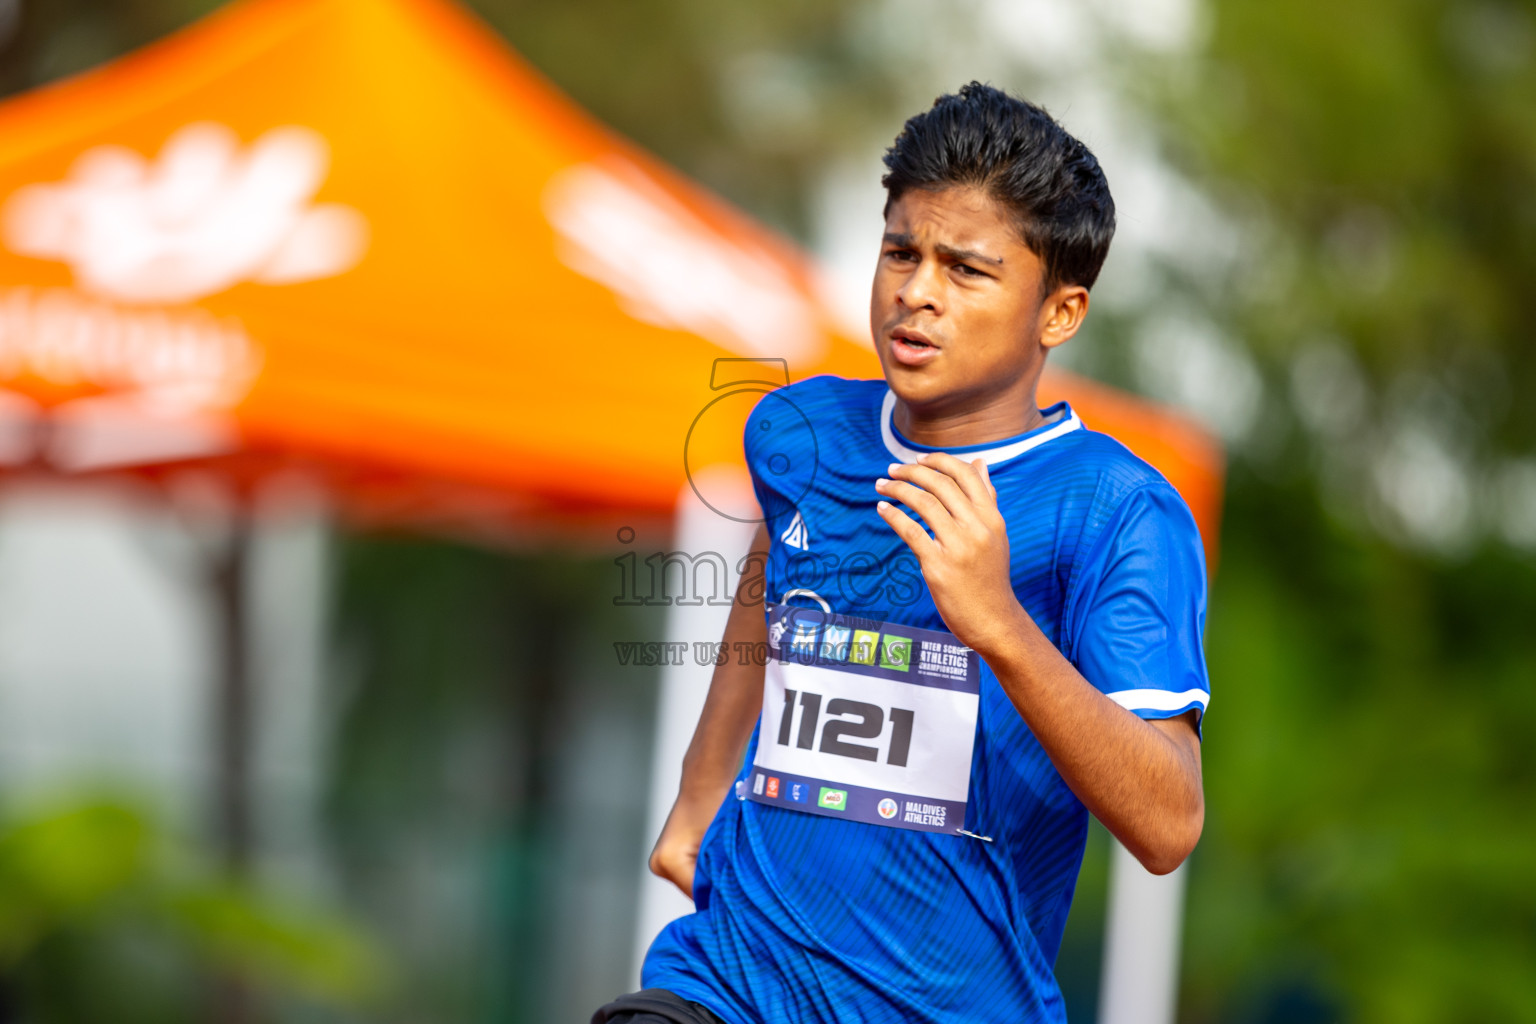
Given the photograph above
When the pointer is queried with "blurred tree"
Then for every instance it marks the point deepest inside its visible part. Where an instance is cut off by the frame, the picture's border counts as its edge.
(747, 98)
(1368, 851)
(49, 39)
(104, 916)
(488, 801)
(1380, 162)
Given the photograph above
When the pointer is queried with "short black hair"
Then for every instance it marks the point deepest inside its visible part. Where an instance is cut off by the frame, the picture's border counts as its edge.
(1015, 151)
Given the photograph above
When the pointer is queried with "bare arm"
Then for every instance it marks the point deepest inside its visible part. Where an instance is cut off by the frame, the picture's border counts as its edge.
(1140, 778)
(731, 709)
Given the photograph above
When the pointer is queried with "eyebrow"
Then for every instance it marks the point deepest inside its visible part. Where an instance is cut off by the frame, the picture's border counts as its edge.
(906, 241)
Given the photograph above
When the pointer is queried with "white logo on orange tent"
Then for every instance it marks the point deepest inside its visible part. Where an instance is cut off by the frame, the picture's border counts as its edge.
(201, 218)
(669, 268)
(144, 238)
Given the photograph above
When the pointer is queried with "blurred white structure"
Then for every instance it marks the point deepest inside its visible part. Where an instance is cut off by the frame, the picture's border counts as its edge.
(1139, 984)
(104, 654)
(107, 656)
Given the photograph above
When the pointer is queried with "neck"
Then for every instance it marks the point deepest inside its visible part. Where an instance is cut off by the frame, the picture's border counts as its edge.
(959, 425)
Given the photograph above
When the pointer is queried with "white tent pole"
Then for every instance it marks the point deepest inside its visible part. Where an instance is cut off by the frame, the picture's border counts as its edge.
(700, 531)
(1141, 943)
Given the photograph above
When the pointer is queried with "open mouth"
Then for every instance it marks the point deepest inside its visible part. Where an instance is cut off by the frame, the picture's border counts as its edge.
(911, 350)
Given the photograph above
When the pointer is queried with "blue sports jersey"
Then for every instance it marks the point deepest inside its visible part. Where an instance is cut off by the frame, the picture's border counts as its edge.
(803, 918)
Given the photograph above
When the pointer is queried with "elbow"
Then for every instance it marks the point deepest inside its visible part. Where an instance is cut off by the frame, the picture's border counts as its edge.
(1164, 852)
(1163, 862)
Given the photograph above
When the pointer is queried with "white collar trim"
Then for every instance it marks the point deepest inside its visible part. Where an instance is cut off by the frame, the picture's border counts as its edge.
(1002, 453)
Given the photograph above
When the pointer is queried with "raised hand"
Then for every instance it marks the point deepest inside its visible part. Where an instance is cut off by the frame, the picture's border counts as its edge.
(965, 561)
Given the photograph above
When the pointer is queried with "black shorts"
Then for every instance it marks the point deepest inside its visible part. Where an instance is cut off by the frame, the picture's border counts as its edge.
(653, 1006)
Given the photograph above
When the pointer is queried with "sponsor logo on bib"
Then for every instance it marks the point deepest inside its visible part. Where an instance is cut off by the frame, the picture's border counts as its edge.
(804, 641)
(887, 808)
(865, 644)
(835, 641)
(833, 799)
(896, 652)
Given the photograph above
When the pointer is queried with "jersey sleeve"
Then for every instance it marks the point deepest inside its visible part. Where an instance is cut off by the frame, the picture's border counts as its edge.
(1138, 617)
(780, 445)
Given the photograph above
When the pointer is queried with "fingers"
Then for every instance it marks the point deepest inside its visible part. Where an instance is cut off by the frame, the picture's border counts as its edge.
(908, 530)
(971, 478)
(986, 476)
(918, 500)
(955, 501)
(963, 490)
(947, 493)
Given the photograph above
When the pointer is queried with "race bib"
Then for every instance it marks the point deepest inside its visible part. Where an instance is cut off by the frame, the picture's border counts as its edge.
(866, 720)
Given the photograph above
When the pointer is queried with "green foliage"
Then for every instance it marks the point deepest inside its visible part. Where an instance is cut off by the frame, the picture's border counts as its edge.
(58, 870)
(62, 37)
(1382, 153)
(748, 98)
(103, 916)
(1367, 855)
(1368, 779)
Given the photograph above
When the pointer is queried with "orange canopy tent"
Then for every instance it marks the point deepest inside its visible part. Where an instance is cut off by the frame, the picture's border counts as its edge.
(363, 236)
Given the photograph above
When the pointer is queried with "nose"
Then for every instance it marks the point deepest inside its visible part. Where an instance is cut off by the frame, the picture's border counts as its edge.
(921, 289)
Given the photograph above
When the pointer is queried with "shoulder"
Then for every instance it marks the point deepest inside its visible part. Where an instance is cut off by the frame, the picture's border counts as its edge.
(809, 406)
(1114, 469)
(1119, 495)
(794, 429)
(1084, 474)
(824, 394)
(1136, 596)
(1115, 475)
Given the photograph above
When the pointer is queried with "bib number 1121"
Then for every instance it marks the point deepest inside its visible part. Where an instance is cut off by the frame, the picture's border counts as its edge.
(863, 721)
(840, 732)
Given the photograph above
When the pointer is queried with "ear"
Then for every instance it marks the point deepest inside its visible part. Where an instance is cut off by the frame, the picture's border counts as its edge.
(1062, 313)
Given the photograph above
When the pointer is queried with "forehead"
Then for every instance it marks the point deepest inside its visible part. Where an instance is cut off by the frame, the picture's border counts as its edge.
(960, 216)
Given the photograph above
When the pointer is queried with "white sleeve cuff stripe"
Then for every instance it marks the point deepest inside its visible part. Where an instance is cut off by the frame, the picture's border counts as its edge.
(1159, 700)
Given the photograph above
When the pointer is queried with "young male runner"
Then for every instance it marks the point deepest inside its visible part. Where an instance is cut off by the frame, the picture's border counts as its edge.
(983, 621)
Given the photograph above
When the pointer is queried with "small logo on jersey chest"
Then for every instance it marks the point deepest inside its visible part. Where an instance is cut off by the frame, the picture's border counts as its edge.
(796, 535)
